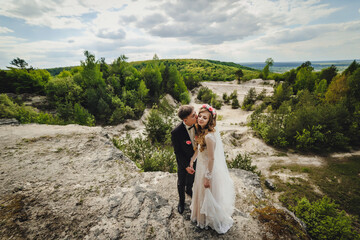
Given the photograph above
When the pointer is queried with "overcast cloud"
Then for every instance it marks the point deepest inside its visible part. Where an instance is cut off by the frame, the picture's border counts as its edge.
(53, 33)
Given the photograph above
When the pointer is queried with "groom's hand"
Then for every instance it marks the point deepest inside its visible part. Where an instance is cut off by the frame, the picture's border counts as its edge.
(190, 170)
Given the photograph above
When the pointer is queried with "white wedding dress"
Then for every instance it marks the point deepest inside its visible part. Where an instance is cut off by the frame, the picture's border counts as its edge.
(213, 206)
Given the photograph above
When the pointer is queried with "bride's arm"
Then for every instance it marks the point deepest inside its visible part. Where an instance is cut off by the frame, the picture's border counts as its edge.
(193, 159)
(210, 145)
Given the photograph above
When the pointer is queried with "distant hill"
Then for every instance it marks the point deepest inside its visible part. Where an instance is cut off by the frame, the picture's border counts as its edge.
(56, 71)
(281, 67)
(206, 70)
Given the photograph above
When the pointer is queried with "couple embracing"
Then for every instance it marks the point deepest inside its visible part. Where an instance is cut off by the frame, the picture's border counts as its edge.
(202, 170)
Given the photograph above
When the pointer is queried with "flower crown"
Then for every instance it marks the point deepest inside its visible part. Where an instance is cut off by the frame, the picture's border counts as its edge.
(209, 108)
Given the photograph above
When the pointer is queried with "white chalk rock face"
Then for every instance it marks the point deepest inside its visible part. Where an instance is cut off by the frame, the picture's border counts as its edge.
(70, 182)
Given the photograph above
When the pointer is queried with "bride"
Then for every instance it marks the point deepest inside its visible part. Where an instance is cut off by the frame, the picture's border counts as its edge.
(213, 192)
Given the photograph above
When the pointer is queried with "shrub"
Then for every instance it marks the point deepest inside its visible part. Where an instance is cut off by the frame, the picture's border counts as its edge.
(24, 114)
(279, 223)
(82, 116)
(156, 127)
(226, 98)
(235, 103)
(207, 96)
(243, 162)
(324, 220)
(311, 139)
(184, 98)
(233, 95)
(147, 156)
(60, 90)
(249, 99)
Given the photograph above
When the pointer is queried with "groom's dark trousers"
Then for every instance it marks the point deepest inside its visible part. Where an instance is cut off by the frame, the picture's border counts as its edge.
(183, 151)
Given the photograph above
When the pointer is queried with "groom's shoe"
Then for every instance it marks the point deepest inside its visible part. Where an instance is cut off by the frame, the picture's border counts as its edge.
(181, 208)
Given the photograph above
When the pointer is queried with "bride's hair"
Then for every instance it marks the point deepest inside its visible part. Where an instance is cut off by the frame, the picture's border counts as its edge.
(210, 126)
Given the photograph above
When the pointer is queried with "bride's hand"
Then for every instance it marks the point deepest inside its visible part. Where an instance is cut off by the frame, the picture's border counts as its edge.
(207, 183)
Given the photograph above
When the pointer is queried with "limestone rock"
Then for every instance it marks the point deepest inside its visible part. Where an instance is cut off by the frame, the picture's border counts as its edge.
(70, 182)
(269, 184)
(9, 121)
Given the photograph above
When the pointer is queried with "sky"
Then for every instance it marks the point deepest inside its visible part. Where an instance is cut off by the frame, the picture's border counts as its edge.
(55, 33)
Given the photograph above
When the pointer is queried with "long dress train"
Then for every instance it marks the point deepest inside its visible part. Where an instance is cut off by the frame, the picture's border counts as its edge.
(213, 206)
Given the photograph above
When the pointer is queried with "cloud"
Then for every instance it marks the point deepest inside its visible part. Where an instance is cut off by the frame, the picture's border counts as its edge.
(306, 33)
(230, 30)
(106, 33)
(152, 20)
(214, 22)
(5, 30)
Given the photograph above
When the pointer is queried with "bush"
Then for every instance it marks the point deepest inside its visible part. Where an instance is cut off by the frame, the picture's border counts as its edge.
(324, 220)
(235, 103)
(147, 156)
(243, 162)
(60, 90)
(226, 98)
(271, 128)
(205, 95)
(157, 127)
(184, 98)
(249, 99)
(311, 139)
(82, 116)
(24, 114)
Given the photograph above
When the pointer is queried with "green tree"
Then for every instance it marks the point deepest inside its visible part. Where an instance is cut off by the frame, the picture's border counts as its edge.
(328, 73)
(239, 74)
(104, 68)
(250, 99)
(305, 79)
(18, 62)
(152, 78)
(235, 103)
(337, 89)
(351, 68)
(61, 90)
(156, 127)
(320, 89)
(269, 62)
(282, 93)
(143, 91)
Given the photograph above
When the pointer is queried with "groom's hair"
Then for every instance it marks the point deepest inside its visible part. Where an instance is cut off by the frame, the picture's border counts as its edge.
(185, 111)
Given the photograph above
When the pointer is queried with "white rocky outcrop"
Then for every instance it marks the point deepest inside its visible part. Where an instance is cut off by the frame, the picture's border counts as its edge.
(70, 182)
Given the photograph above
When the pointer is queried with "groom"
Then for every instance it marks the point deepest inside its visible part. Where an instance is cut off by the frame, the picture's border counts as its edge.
(183, 141)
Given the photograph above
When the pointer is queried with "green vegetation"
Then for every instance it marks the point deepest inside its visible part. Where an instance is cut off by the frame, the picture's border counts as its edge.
(207, 96)
(243, 162)
(96, 92)
(324, 221)
(330, 189)
(99, 93)
(205, 70)
(312, 111)
(279, 223)
(154, 152)
(24, 114)
(338, 180)
(147, 156)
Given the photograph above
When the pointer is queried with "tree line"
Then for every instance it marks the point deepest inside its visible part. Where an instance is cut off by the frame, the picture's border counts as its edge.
(97, 92)
(311, 111)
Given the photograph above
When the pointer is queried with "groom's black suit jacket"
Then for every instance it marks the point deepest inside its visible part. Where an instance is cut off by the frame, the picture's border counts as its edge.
(183, 151)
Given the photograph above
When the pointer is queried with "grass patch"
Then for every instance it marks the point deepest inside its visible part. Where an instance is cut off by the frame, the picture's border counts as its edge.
(279, 223)
(338, 179)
